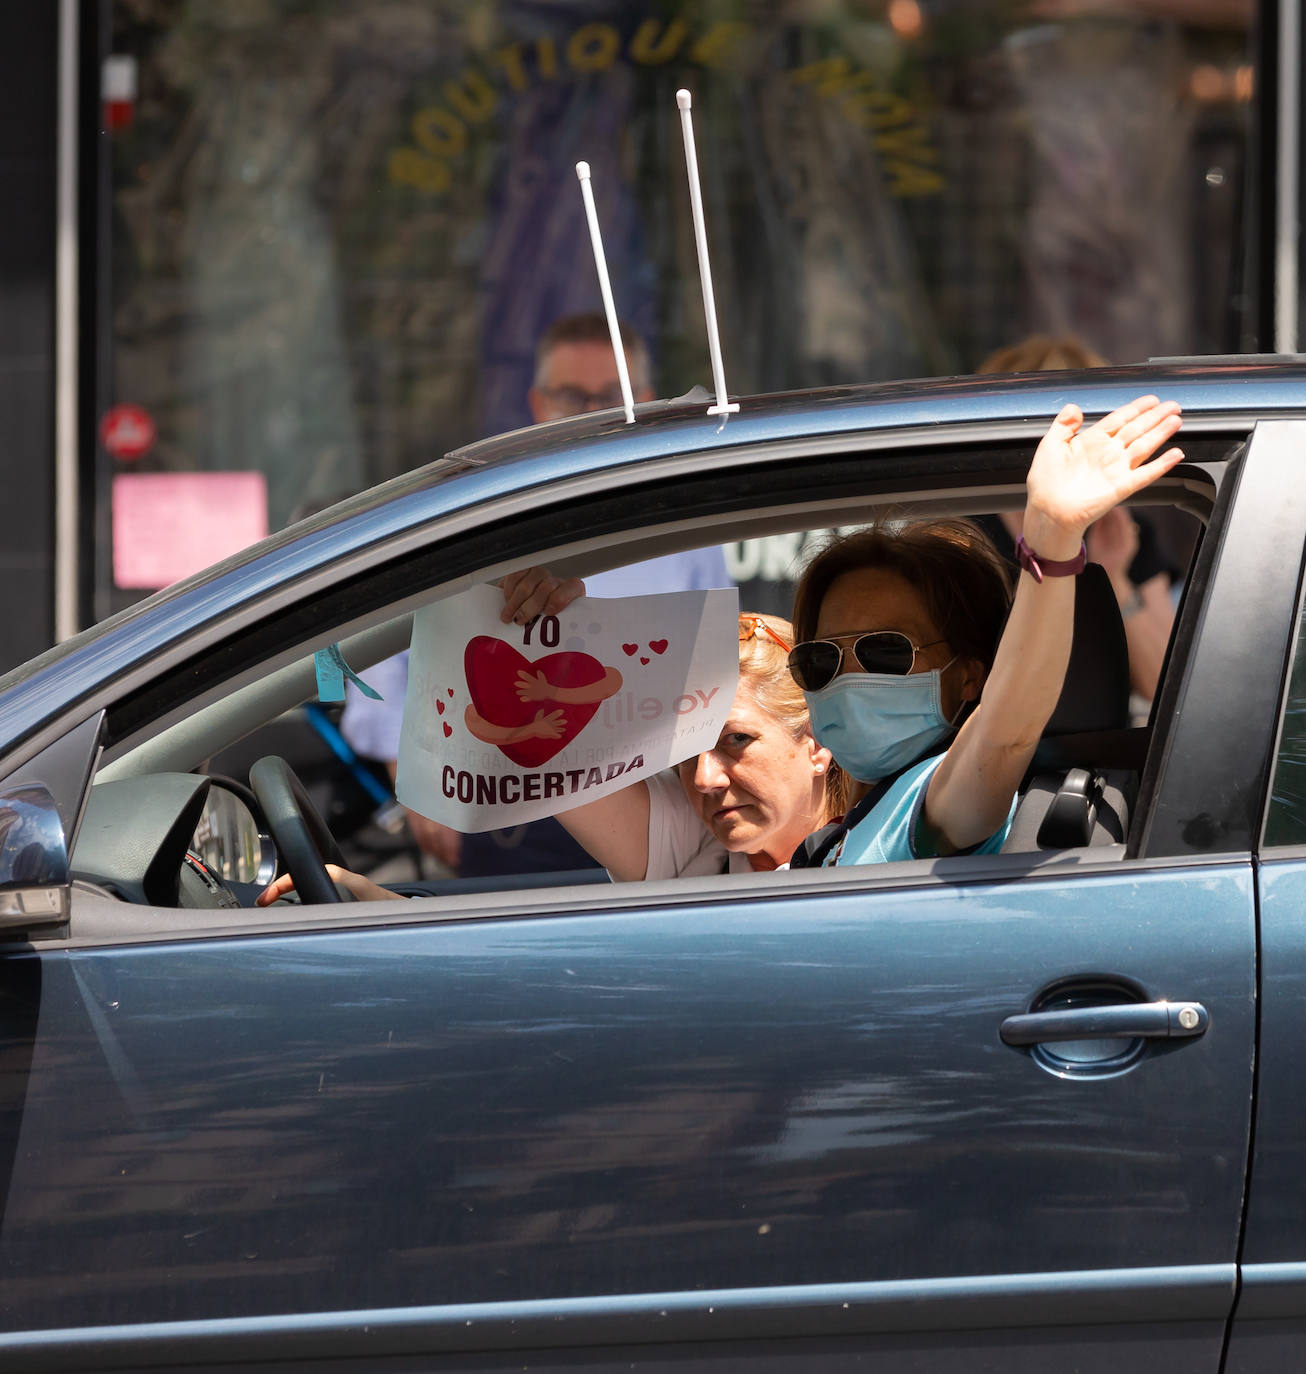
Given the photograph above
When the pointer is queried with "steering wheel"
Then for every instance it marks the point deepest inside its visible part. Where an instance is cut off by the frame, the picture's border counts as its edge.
(303, 841)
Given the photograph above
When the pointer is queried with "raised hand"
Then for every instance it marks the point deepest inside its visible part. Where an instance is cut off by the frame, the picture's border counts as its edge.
(1079, 474)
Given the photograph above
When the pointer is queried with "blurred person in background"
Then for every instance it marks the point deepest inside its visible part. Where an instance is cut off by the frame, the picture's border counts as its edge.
(1124, 542)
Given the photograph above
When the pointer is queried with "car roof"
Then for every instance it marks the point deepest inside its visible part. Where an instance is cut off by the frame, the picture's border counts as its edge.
(1207, 388)
(1214, 394)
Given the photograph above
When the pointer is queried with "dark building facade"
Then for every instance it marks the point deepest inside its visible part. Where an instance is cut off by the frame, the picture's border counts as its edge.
(29, 125)
(263, 254)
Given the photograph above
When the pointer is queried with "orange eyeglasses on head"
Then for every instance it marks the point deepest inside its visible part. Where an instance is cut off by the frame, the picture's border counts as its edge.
(754, 627)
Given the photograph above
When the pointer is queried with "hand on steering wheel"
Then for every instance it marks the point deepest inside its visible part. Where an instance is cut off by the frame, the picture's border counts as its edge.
(304, 844)
(360, 888)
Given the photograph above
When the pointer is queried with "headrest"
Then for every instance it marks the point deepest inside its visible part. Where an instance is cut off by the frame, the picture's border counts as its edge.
(1096, 691)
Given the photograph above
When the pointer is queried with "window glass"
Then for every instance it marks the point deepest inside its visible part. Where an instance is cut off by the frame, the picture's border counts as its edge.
(336, 229)
(345, 757)
(1286, 821)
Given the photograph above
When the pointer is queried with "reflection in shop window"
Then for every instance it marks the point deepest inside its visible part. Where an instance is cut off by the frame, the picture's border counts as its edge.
(1286, 821)
(339, 228)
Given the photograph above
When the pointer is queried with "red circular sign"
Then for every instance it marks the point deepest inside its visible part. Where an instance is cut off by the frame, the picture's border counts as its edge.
(127, 431)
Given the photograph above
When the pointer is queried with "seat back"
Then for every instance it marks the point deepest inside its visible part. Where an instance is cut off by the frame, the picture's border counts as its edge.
(1095, 695)
(1070, 807)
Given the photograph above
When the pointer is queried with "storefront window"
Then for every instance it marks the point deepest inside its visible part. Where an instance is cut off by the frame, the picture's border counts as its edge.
(337, 228)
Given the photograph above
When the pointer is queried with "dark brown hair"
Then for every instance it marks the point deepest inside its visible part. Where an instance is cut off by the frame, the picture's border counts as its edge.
(593, 329)
(963, 579)
(764, 674)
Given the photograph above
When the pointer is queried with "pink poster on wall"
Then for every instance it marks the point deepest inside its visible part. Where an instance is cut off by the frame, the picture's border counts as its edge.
(167, 525)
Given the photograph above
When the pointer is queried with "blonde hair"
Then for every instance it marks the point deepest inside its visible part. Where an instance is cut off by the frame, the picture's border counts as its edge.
(1042, 353)
(764, 673)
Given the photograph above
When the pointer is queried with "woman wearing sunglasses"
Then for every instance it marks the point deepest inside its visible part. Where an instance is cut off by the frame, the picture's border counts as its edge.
(928, 691)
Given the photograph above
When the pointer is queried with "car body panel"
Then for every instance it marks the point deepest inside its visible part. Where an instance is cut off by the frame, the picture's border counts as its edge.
(961, 1327)
(732, 1097)
(1270, 1326)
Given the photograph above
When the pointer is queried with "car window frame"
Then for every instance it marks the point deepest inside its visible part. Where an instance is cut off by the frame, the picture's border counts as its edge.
(1294, 848)
(542, 902)
(385, 592)
(1246, 590)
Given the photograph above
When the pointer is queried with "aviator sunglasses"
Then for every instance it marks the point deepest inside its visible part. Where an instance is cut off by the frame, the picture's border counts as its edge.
(815, 663)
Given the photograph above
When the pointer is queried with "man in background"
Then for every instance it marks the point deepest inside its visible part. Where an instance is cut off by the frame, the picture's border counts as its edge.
(575, 372)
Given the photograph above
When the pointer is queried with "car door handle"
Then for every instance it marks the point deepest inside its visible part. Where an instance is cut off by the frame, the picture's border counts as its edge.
(1126, 1021)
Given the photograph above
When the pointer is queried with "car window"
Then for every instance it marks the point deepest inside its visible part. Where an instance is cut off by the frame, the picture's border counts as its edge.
(1286, 818)
(353, 793)
(1161, 549)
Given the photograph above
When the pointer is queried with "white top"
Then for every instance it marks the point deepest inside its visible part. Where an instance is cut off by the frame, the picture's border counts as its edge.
(695, 570)
(372, 727)
(679, 844)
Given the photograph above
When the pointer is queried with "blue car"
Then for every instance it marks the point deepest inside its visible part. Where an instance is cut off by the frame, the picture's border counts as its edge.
(1037, 1110)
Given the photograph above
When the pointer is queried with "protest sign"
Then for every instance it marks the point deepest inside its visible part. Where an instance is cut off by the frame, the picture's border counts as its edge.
(504, 724)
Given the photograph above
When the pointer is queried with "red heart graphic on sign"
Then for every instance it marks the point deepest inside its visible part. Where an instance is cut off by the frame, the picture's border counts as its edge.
(451, 691)
(645, 661)
(448, 729)
(629, 649)
(439, 706)
(492, 667)
(659, 646)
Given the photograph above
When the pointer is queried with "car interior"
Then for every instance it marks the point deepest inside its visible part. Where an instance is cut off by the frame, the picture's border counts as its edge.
(168, 826)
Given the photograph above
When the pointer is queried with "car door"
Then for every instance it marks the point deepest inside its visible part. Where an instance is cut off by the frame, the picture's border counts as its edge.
(766, 1121)
(648, 1127)
(1270, 1323)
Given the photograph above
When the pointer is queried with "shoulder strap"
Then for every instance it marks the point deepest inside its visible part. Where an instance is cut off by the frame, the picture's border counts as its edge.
(816, 846)
(813, 850)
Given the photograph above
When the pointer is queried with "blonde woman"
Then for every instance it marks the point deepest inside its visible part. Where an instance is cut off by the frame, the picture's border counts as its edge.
(742, 806)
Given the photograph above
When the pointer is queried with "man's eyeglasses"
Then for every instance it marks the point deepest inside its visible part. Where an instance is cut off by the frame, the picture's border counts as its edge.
(815, 663)
(754, 627)
(575, 400)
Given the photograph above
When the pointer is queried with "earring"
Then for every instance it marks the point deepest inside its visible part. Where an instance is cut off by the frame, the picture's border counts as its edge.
(820, 768)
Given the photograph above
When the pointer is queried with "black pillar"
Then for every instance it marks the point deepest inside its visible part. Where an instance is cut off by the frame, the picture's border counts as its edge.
(29, 92)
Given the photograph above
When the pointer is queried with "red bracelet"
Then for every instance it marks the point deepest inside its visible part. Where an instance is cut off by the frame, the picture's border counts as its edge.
(1039, 567)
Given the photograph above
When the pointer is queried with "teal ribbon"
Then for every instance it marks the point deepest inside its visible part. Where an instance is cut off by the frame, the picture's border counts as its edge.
(332, 670)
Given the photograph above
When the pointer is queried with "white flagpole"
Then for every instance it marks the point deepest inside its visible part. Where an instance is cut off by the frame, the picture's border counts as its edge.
(722, 407)
(605, 287)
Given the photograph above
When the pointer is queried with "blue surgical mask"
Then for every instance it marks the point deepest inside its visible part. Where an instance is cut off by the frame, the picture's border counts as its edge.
(876, 723)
